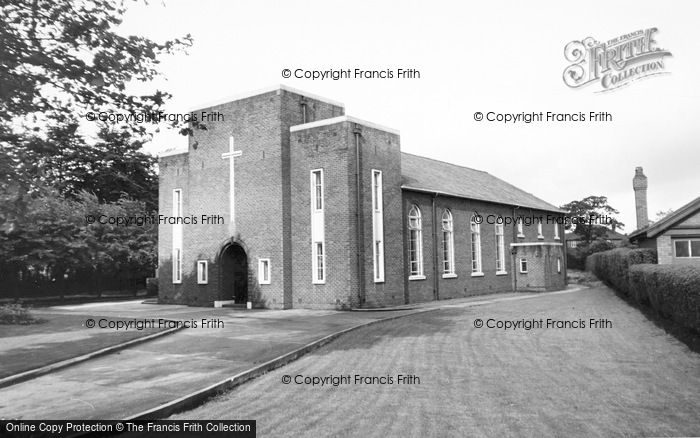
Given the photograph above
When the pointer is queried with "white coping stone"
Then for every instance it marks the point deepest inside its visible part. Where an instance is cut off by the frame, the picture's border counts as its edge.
(340, 119)
(252, 93)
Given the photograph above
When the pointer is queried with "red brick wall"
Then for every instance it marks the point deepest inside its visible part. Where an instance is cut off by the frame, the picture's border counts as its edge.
(380, 150)
(420, 290)
(260, 126)
(542, 255)
(325, 147)
(290, 115)
(464, 284)
(172, 174)
(273, 214)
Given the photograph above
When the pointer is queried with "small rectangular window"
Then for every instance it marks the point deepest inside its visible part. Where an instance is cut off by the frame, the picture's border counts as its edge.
(202, 274)
(539, 230)
(523, 266)
(682, 248)
(695, 248)
(687, 248)
(559, 265)
(264, 271)
(520, 228)
(556, 232)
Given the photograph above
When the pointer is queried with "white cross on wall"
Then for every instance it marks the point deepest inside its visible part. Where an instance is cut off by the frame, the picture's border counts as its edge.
(230, 155)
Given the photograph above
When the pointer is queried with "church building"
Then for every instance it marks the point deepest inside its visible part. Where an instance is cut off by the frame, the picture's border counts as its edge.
(286, 202)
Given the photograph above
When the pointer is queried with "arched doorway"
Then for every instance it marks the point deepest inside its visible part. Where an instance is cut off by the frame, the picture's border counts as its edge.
(233, 283)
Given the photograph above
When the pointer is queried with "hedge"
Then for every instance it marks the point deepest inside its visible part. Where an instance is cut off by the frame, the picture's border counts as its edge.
(576, 257)
(612, 267)
(672, 290)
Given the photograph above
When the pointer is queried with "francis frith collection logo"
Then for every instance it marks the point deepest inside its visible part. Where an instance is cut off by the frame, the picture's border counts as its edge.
(616, 62)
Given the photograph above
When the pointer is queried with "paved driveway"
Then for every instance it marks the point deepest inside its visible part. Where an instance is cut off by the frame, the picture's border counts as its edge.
(142, 377)
(149, 374)
(625, 378)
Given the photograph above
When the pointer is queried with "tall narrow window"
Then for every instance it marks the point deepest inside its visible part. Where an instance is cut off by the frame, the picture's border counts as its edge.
(177, 237)
(317, 187)
(559, 265)
(556, 231)
(264, 271)
(415, 243)
(319, 263)
(520, 228)
(523, 266)
(448, 267)
(177, 265)
(378, 225)
(476, 247)
(500, 250)
(177, 202)
(539, 230)
(202, 274)
(318, 256)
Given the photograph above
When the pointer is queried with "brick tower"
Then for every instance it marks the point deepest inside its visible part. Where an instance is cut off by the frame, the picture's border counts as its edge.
(640, 184)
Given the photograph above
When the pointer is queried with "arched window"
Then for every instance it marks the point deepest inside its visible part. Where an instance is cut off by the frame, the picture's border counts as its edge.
(500, 250)
(448, 255)
(476, 247)
(415, 242)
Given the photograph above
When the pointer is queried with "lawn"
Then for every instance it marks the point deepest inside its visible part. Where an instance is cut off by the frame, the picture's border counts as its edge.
(632, 379)
(60, 337)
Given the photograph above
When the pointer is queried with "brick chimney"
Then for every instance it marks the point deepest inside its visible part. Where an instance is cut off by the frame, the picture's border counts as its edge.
(640, 185)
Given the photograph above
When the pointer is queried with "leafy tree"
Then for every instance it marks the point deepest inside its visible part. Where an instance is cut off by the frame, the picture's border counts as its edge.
(49, 241)
(60, 159)
(57, 244)
(111, 168)
(576, 257)
(592, 207)
(116, 250)
(120, 169)
(58, 59)
(662, 214)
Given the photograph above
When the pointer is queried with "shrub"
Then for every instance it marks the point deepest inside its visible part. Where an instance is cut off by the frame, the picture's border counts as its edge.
(672, 290)
(612, 267)
(575, 260)
(576, 257)
(16, 314)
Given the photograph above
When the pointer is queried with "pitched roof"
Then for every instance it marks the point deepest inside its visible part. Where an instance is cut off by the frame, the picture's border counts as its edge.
(667, 222)
(428, 175)
(609, 235)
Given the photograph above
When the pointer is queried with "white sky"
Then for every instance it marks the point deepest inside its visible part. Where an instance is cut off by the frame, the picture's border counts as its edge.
(505, 56)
